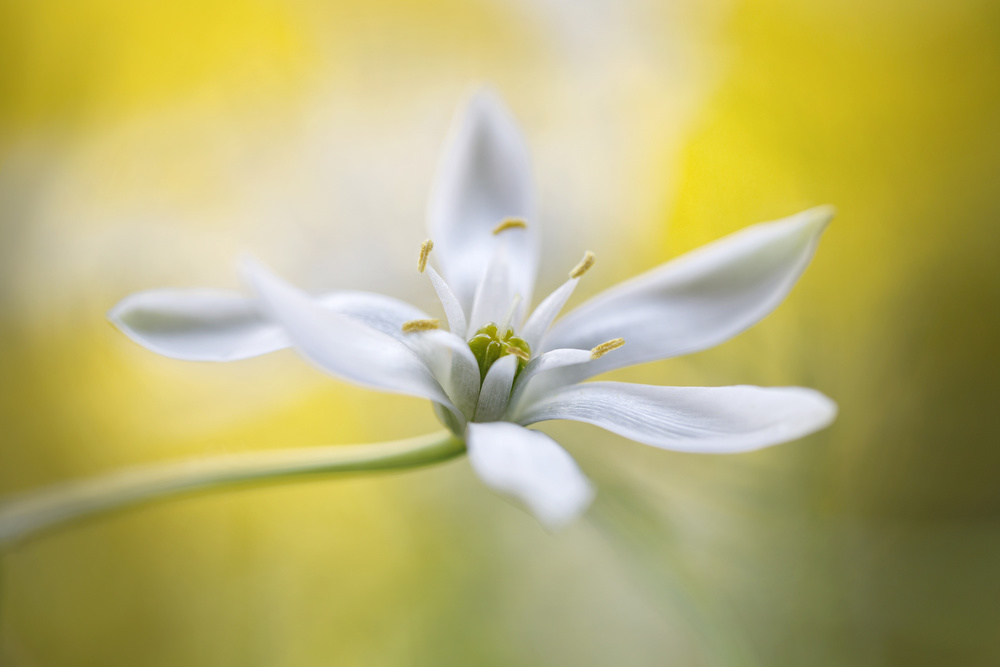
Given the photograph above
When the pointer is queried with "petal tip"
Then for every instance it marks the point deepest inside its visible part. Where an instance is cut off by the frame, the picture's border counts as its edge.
(250, 268)
(555, 521)
(114, 314)
(484, 100)
(486, 113)
(826, 409)
(819, 217)
(817, 411)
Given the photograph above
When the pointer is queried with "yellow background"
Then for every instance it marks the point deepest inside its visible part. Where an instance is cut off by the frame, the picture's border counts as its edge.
(146, 144)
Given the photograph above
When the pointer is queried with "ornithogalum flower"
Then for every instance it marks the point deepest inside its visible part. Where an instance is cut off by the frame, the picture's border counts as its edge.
(496, 368)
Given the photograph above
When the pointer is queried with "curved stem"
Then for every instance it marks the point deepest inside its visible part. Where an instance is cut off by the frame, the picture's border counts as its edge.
(26, 515)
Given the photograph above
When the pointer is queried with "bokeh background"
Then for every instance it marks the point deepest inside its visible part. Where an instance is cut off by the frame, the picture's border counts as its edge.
(148, 144)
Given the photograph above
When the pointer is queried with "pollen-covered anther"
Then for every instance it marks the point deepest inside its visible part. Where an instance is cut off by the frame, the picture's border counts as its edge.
(510, 223)
(588, 261)
(420, 325)
(425, 250)
(604, 348)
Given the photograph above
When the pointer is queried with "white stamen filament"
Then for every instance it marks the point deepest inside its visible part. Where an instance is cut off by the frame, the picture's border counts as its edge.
(515, 302)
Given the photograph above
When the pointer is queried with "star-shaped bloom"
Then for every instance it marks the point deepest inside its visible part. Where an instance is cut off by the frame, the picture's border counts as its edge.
(497, 369)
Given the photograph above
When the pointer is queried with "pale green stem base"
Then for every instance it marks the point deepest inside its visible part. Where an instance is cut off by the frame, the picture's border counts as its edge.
(24, 516)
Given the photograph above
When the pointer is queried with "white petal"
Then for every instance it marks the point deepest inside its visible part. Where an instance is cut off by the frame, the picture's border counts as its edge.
(224, 325)
(452, 364)
(452, 308)
(495, 393)
(523, 391)
(483, 178)
(698, 300)
(197, 324)
(380, 312)
(541, 318)
(496, 292)
(341, 345)
(531, 468)
(708, 420)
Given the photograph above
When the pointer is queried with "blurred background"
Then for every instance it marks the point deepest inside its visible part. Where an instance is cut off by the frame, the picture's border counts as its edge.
(150, 144)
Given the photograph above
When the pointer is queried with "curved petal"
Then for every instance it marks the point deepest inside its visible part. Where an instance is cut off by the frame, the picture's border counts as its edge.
(197, 324)
(340, 345)
(225, 325)
(551, 360)
(453, 365)
(698, 300)
(495, 393)
(378, 311)
(530, 468)
(706, 420)
(483, 178)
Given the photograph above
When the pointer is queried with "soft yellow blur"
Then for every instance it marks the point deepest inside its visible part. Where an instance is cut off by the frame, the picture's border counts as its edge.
(147, 144)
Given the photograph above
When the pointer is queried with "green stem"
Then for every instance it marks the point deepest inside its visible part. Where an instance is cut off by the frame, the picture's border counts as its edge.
(26, 515)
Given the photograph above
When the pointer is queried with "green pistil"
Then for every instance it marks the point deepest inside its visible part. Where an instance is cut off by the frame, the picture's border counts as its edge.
(488, 346)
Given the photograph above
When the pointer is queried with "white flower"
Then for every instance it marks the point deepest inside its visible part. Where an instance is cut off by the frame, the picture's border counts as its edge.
(520, 370)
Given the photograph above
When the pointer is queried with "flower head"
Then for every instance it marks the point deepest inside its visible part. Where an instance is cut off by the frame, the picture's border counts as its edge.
(498, 366)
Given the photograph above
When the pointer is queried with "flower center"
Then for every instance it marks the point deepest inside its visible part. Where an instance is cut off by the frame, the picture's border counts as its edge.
(489, 344)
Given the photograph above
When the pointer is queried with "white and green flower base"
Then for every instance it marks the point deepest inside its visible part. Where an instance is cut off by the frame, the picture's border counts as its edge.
(498, 367)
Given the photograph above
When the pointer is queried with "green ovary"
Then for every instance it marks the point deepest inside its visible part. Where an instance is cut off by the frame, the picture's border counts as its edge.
(488, 346)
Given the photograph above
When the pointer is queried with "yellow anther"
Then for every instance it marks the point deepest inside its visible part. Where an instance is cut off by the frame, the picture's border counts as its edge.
(519, 353)
(604, 348)
(420, 325)
(425, 250)
(510, 223)
(588, 261)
